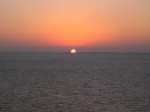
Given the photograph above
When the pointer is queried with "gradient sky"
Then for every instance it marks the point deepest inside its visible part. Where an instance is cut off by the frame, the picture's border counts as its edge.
(87, 25)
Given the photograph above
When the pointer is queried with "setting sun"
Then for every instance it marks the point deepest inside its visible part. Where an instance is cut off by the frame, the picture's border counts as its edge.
(73, 51)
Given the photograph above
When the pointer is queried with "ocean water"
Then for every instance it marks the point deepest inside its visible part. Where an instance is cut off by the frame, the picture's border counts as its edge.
(44, 82)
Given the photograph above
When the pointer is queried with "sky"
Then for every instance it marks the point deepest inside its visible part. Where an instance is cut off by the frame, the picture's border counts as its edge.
(86, 25)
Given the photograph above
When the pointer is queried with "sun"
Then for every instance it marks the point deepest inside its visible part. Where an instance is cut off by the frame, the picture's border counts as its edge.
(73, 51)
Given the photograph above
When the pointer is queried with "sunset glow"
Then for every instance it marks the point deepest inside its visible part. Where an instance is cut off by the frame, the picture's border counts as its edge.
(73, 51)
(58, 25)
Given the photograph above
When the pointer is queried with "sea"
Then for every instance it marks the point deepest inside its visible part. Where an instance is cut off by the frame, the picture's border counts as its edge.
(82, 82)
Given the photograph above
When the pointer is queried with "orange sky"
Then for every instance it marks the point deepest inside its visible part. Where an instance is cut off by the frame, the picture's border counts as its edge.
(88, 25)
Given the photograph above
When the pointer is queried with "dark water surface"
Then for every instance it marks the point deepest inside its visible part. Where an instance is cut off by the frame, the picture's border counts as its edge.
(74, 82)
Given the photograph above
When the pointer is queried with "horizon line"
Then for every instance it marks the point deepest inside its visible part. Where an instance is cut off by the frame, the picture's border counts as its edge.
(81, 52)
